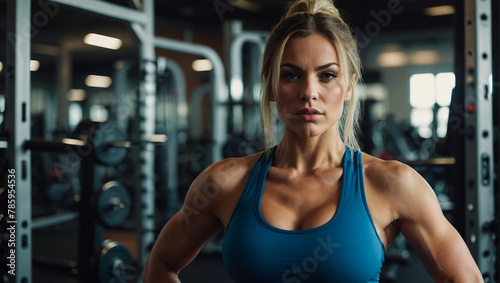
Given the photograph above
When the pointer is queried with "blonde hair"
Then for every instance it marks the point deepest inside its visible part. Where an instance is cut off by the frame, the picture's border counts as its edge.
(304, 18)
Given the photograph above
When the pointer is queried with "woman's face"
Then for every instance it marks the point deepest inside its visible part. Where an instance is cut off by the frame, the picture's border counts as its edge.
(312, 90)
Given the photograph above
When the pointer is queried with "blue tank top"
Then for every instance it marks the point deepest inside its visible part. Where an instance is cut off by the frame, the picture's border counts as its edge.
(345, 249)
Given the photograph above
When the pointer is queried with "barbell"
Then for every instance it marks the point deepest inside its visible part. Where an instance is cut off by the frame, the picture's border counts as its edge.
(113, 263)
(103, 141)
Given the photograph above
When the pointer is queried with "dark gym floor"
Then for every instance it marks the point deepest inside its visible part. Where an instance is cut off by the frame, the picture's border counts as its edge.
(60, 246)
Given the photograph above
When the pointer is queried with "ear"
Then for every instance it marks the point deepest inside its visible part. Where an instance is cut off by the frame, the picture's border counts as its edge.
(350, 87)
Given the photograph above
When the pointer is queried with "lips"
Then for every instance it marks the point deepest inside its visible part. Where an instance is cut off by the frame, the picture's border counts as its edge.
(308, 111)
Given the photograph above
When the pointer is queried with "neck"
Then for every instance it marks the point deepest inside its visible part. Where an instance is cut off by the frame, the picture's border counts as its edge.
(306, 154)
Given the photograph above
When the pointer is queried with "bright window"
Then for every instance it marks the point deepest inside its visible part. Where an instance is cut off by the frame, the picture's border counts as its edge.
(422, 90)
(430, 97)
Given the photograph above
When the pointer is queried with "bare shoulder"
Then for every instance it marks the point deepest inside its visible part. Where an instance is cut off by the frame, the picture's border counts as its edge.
(388, 174)
(229, 171)
(402, 187)
(221, 180)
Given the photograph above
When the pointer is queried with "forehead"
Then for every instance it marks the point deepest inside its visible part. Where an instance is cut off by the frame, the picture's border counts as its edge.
(313, 48)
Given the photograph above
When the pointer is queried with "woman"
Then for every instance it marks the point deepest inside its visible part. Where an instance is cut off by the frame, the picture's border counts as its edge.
(313, 208)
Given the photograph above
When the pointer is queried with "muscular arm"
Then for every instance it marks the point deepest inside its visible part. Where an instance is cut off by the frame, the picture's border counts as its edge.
(437, 243)
(183, 236)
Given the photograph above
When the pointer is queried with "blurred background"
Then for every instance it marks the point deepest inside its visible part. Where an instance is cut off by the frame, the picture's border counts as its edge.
(179, 81)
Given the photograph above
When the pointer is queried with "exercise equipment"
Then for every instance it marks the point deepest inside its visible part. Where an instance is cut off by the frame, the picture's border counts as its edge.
(104, 142)
(113, 263)
(112, 203)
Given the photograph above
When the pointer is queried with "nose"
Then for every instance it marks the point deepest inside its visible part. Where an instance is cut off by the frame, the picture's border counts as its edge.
(309, 91)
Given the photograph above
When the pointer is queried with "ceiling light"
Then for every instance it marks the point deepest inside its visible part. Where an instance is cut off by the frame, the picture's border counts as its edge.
(245, 5)
(392, 59)
(202, 65)
(102, 41)
(98, 81)
(34, 65)
(1, 66)
(439, 11)
(76, 95)
(424, 57)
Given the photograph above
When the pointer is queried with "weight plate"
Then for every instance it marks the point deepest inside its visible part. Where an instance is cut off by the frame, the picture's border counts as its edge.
(101, 138)
(111, 255)
(113, 204)
(56, 191)
(97, 136)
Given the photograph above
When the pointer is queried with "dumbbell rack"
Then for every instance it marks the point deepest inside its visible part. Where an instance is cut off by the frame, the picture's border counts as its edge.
(18, 109)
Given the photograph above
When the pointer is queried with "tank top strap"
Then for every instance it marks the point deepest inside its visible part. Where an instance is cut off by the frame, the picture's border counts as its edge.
(257, 176)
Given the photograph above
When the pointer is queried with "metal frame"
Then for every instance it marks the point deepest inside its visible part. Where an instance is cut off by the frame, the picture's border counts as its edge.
(195, 111)
(142, 24)
(146, 101)
(219, 94)
(18, 126)
(234, 39)
(236, 66)
(177, 121)
(110, 10)
(18, 120)
(479, 158)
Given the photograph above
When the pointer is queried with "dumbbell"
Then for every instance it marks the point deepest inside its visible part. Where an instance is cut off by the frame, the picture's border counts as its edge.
(113, 263)
(103, 141)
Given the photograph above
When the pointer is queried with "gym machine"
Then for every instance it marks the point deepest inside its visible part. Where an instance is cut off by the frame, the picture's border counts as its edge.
(97, 145)
(241, 103)
(219, 93)
(18, 119)
(174, 121)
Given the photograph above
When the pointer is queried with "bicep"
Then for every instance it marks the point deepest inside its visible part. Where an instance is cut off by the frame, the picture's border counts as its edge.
(437, 243)
(182, 237)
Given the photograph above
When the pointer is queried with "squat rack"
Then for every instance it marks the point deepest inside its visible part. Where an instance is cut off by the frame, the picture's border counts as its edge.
(18, 87)
(479, 157)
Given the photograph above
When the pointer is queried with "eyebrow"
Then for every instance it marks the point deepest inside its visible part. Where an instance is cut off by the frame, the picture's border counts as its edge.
(322, 67)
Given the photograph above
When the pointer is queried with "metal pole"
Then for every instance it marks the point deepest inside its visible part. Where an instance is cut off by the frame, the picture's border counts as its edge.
(236, 69)
(18, 123)
(121, 109)
(176, 102)
(109, 10)
(146, 101)
(479, 158)
(180, 90)
(219, 95)
(195, 111)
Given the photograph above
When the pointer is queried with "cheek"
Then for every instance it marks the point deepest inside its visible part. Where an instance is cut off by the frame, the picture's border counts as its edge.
(335, 95)
(285, 92)
(285, 97)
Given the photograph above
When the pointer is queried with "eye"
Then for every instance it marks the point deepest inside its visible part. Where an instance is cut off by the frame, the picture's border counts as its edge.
(327, 76)
(289, 76)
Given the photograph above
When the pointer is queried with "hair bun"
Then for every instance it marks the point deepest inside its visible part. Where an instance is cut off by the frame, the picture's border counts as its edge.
(313, 7)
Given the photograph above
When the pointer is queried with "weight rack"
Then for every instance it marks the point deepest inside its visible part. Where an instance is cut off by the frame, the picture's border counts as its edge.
(18, 87)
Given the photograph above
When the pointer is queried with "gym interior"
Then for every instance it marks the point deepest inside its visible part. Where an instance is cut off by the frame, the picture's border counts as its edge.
(109, 109)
